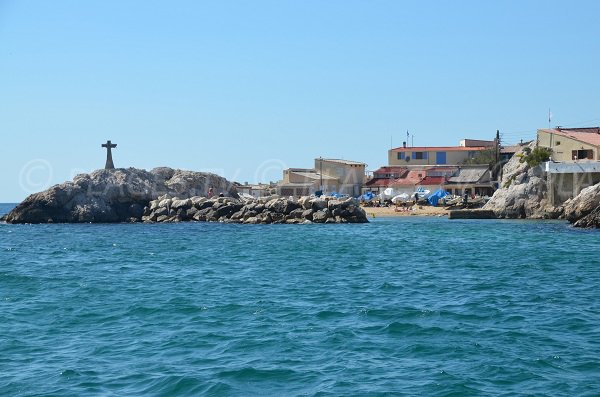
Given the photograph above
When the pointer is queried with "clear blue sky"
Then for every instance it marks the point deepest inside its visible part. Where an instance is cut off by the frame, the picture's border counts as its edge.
(244, 88)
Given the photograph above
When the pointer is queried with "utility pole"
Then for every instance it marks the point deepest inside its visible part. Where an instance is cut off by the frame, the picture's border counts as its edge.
(497, 146)
(321, 172)
(497, 166)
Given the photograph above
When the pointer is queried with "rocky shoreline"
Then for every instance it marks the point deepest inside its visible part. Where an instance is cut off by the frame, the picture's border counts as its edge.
(259, 211)
(524, 194)
(168, 195)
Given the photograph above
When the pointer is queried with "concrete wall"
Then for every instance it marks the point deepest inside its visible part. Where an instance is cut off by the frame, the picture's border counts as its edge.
(562, 146)
(567, 180)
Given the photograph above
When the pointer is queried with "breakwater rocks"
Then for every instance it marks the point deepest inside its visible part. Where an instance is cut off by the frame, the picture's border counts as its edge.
(259, 211)
(116, 195)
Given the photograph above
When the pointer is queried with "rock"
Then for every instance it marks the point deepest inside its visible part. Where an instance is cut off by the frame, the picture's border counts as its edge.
(318, 204)
(296, 214)
(586, 202)
(591, 220)
(161, 211)
(307, 214)
(320, 216)
(154, 204)
(167, 195)
(191, 212)
(305, 203)
(165, 203)
(523, 193)
(251, 220)
(177, 204)
(237, 215)
(211, 215)
(358, 215)
(227, 210)
(198, 200)
(114, 195)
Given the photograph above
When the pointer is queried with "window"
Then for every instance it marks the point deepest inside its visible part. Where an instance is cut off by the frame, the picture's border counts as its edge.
(400, 155)
(557, 143)
(440, 158)
(582, 154)
(420, 156)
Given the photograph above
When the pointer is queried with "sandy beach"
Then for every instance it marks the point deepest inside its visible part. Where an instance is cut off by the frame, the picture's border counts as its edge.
(374, 212)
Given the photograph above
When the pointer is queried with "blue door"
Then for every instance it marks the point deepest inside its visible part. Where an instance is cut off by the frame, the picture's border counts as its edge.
(440, 158)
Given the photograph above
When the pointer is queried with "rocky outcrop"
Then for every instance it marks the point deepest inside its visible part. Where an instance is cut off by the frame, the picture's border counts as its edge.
(117, 195)
(168, 195)
(263, 211)
(523, 193)
(584, 209)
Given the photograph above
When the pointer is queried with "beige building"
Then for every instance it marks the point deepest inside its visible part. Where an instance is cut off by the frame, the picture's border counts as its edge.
(328, 176)
(441, 155)
(571, 144)
(350, 174)
(304, 181)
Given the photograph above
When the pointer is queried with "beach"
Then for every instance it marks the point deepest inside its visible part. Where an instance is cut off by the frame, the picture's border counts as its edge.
(375, 212)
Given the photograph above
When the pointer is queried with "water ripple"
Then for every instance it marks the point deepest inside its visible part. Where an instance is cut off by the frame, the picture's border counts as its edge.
(395, 307)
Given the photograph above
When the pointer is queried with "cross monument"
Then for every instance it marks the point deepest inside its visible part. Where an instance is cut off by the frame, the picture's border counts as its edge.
(109, 162)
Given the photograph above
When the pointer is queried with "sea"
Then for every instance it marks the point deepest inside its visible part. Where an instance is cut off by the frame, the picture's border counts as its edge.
(411, 306)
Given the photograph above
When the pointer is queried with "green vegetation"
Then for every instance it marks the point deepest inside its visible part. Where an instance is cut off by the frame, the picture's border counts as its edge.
(536, 156)
(487, 156)
(509, 182)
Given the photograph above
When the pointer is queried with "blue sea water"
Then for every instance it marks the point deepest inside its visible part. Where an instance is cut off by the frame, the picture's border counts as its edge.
(403, 306)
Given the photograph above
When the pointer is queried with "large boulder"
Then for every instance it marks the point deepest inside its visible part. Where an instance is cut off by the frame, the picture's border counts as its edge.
(116, 195)
(523, 193)
(583, 210)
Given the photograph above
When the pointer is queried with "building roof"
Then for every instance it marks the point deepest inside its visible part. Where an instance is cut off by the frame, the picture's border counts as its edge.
(468, 175)
(390, 169)
(411, 178)
(511, 148)
(433, 180)
(345, 162)
(439, 149)
(589, 135)
(379, 182)
(442, 171)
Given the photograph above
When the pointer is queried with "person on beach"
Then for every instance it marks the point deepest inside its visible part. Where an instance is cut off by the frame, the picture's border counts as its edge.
(210, 193)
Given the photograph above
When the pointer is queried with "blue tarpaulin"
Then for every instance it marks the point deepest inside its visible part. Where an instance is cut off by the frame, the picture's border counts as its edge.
(435, 197)
(368, 196)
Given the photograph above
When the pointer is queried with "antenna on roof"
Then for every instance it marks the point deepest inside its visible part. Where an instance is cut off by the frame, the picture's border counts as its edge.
(549, 118)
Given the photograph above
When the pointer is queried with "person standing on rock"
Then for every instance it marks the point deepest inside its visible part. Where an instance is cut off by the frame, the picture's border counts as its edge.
(210, 193)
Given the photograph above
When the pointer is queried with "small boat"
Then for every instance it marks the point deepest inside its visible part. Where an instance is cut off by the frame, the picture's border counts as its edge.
(400, 198)
(421, 193)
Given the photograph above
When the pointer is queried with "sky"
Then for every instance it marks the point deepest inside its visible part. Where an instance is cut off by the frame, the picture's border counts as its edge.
(247, 88)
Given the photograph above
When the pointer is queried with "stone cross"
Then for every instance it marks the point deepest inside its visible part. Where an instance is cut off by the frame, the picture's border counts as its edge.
(109, 163)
